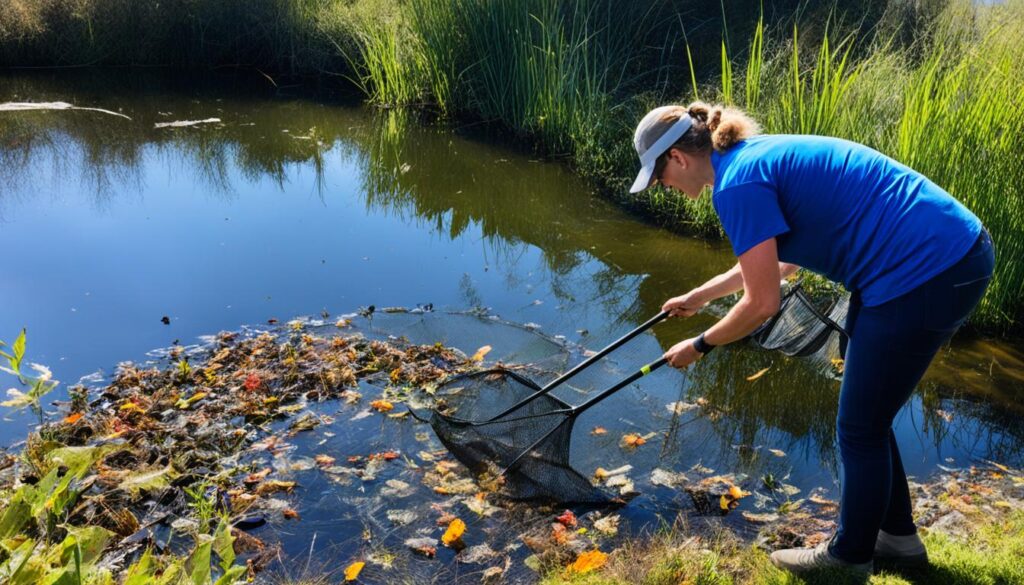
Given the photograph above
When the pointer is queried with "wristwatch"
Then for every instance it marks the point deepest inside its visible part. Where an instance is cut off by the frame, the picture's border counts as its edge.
(702, 346)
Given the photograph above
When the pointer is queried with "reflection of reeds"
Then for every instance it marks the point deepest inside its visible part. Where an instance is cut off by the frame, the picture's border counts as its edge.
(794, 405)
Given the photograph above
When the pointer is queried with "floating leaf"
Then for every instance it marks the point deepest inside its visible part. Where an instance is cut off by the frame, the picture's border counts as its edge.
(257, 476)
(480, 353)
(352, 571)
(274, 485)
(382, 405)
(599, 431)
(290, 514)
(667, 478)
(479, 504)
(609, 525)
(601, 473)
(759, 518)
(680, 407)
(147, 480)
(252, 382)
(760, 373)
(324, 459)
(454, 532)
(567, 519)
(588, 561)
(633, 440)
(72, 418)
(777, 452)
(184, 403)
(423, 546)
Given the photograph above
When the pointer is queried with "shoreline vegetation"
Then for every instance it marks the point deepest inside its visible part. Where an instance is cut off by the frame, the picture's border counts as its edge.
(935, 84)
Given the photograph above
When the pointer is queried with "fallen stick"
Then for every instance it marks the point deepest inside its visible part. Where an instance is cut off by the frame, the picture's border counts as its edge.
(23, 106)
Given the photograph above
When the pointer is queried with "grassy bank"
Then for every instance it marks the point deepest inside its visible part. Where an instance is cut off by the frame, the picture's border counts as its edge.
(972, 524)
(933, 84)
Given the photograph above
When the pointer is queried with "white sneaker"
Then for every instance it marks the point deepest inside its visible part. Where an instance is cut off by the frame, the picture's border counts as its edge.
(803, 560)
(902, 551)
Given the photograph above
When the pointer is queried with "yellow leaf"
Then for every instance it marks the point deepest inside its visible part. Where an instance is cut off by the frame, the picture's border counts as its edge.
(382, 405)
(758, 375)
(454, 532)
(352, 571)
(599, 431)
(480, 353)
(736, 493)
(588, 561)
(1002, 504)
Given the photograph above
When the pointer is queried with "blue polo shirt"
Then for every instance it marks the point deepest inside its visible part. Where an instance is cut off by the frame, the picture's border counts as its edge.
(842, 210)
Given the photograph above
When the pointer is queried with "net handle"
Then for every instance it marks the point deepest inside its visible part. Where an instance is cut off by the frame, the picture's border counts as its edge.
(572, 413)
(583, 365)
(643, 371)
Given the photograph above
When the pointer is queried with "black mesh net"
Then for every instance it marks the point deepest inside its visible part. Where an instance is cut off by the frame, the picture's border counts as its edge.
(803, 329)
(526, 453)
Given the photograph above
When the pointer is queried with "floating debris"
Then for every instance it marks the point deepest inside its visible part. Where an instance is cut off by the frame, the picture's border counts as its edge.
(185, 123)
(24, 106)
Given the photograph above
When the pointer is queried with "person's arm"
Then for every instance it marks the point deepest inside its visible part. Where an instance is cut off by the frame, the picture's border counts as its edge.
(760, 272)
(727, 283)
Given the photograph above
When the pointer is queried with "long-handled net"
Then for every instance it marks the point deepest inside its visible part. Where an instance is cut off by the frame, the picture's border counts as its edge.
(525, 452)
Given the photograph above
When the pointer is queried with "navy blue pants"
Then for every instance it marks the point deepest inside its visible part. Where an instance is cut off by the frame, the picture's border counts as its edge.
(889, 349)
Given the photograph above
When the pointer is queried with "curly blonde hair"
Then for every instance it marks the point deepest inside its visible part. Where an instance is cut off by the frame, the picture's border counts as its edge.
(714, 127)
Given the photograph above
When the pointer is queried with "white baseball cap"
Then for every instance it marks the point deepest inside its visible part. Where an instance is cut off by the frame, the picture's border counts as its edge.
(650, 142)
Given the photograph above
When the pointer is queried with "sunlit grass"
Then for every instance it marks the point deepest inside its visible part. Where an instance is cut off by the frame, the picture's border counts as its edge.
(990, 554)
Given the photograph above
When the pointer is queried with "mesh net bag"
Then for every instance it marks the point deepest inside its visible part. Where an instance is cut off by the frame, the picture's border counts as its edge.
(526, 452)
(802, 329)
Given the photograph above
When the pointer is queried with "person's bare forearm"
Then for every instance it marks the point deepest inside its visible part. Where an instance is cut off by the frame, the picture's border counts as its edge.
(731, 281)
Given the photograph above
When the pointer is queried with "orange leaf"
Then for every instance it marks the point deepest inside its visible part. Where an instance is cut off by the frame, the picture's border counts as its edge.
(257, 476)
(588, 561)
(352, 571)
(72, 418)
(480, 353)
(323, 459)
(382, 405)
(454, 532)
(736, 493)
(290, 514)
(599, 431)
(559, 534)
(633, 440)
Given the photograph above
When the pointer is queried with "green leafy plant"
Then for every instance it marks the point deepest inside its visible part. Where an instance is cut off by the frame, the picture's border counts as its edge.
(38, 385)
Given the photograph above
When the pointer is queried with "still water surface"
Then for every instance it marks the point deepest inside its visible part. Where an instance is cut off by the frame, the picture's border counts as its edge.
(295, 206)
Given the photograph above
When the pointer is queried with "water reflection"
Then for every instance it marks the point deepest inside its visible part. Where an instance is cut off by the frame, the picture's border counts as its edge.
(599, 265)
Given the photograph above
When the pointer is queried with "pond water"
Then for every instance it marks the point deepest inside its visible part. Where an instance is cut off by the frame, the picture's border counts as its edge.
(292, 205)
